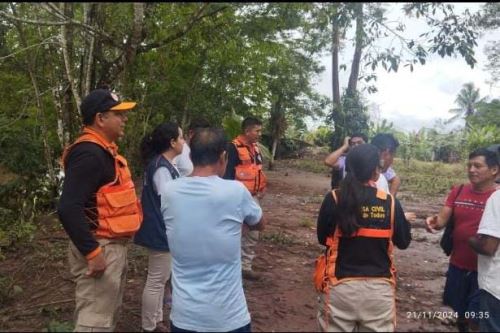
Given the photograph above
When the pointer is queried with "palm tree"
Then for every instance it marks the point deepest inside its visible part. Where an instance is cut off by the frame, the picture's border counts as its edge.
(467, 101)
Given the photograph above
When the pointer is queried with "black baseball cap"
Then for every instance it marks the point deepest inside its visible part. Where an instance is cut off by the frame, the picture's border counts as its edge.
(102, 100)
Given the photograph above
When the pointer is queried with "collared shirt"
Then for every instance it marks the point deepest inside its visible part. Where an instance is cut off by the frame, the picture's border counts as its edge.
(203, 218)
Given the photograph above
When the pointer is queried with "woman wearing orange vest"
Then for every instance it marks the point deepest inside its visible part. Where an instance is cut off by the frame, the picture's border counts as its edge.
(359, 225)
(99, 211)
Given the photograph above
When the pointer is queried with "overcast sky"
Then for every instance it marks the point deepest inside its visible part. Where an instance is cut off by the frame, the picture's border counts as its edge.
(415, 99)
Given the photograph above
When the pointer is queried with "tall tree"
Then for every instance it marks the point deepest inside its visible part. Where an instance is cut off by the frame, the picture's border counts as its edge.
(467, 100)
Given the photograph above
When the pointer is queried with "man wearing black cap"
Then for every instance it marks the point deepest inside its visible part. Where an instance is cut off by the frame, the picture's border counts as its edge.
(99, 211)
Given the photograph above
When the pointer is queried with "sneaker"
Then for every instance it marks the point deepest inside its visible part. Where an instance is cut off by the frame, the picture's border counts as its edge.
(250, 275)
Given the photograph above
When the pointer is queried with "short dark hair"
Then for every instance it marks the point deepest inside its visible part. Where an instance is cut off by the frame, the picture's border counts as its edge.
(360, 135)
(490, 157)
(198, 123)
(250, 122)
(206, 146)
(385, 141)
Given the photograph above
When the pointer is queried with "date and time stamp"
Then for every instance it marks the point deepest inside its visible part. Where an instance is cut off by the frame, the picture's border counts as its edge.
(445, 315)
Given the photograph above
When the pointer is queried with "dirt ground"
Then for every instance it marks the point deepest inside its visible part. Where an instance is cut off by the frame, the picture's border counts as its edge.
(282, 300)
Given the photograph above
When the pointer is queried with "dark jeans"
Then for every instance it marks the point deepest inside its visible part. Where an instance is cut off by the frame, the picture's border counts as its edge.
(489, 310)
(461, 292)
(246, 328)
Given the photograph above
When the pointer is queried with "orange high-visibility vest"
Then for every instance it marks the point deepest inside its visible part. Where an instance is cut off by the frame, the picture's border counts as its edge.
(119, 211)
(325, 264)
(249, 172)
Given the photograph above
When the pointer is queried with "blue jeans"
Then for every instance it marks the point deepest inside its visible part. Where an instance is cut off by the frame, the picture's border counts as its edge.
(489, 309)
(246, 328)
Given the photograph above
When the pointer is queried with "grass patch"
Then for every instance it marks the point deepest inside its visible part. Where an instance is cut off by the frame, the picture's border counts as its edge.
(418, 177)
(315, 166)
(429, 178)
(279, 238)
(57, 326)
(306, 223)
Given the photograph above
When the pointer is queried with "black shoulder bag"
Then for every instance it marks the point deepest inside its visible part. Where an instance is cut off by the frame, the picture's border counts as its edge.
(447, 239)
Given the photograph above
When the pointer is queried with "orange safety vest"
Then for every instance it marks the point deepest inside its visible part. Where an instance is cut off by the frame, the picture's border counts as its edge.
(249, 172)
(325, 264)
(119, 212)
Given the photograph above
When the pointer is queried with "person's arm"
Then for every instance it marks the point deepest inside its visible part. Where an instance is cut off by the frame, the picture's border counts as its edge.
(232, 161)
(325, 225)
(402, 228)
(394, 185)
(439, 221)
(332, 158)
(161, 178)
(251, 211)
(81, 182)
(488, 234)
(484, 244)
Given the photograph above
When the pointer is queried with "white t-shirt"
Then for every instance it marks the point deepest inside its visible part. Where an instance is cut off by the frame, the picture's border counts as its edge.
(183, 162)
(203, 218)
(382, 183)
(488, 268)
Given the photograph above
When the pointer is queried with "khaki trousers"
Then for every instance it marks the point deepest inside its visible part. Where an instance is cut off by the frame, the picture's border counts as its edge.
(366, 305)
(98, 300)
(249, 240)
(159, 269)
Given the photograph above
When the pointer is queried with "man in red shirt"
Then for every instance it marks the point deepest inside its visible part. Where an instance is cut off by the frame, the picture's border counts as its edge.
(466, 203)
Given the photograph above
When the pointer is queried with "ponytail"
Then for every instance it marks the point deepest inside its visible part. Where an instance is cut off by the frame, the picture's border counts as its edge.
(158, 141)
(361, 162)
(348, 210)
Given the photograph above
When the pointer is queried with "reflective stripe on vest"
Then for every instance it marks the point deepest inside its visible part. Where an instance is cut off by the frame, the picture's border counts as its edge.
(249, 172)
(119, 212)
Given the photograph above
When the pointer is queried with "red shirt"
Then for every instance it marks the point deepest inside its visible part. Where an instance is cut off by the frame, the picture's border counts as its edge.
(468, 208)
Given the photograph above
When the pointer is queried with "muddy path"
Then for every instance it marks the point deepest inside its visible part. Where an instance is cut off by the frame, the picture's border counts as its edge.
(282, 300)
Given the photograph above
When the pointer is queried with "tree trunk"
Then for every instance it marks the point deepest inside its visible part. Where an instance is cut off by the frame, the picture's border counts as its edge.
(273, 153)
(335, 59)
(67, 60)
(278, 126)
(353, 78)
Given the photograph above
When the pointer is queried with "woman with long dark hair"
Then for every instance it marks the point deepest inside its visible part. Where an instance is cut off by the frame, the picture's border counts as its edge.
(158, 151)
(359, 225)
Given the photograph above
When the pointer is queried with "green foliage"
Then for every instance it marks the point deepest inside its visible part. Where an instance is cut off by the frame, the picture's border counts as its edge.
(482, 137)
(232, 125)
(383, 126)
(58, 326)
(352, 119)
(429, 178)
(488, 113)
(322, 136)
(279, 238)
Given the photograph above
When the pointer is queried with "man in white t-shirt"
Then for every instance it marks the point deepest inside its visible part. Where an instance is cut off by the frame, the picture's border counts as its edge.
(203, 214)
(485, 243)
(183, 162)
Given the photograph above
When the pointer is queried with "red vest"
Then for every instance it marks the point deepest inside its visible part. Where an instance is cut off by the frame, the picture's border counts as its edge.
(119, 212)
